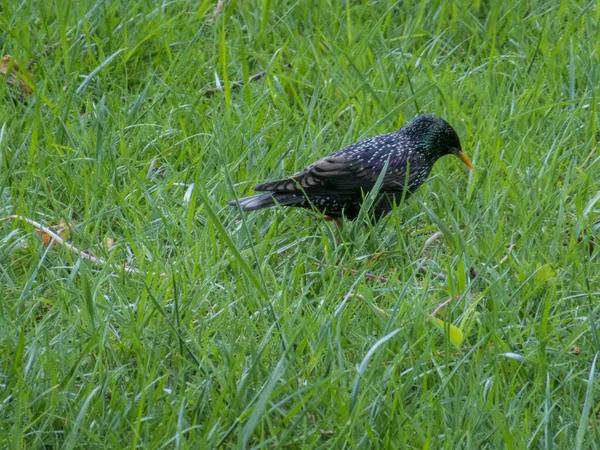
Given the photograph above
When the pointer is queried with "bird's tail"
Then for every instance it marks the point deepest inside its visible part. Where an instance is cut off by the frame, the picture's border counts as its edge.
(268, 200)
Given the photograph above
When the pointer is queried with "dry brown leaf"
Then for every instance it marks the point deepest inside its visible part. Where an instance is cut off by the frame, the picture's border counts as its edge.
(60, 241)
(376, 257)
(10, 67)
(63, 229)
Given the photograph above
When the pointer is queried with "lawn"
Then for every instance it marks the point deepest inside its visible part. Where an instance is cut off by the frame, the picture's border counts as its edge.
(467, 318)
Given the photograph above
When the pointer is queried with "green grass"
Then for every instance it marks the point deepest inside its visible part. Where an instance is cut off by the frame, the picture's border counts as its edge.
(247, 341)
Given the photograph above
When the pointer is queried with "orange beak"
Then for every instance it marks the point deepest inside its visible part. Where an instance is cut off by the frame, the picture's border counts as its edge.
(464, 158)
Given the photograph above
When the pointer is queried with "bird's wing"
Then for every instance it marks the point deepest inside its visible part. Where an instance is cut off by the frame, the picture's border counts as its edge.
(351, 169)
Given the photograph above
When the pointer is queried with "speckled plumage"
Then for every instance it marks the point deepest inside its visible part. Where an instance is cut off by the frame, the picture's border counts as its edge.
(338, 183)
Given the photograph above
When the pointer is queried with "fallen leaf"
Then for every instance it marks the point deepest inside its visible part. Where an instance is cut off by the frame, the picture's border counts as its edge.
(544, 274)
(376, 257)
(456, 334)
(10, 68)
(63, 229)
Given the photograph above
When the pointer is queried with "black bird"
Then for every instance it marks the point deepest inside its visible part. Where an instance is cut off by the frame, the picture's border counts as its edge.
(338, 183)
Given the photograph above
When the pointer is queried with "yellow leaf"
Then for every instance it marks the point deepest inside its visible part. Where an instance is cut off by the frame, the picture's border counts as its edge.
(544, 274)
(456, 334)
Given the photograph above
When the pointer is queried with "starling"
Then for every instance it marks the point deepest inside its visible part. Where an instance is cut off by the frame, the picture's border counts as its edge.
(338, 183)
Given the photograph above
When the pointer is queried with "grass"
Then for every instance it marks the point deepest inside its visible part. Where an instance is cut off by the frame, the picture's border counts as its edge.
(251, 339)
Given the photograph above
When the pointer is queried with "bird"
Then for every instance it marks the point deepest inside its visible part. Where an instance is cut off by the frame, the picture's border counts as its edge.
(337, 184)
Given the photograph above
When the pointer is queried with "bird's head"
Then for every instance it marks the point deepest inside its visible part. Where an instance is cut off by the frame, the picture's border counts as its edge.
(437, 137)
